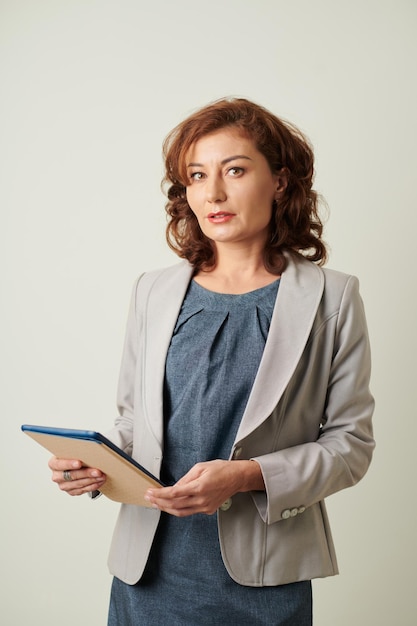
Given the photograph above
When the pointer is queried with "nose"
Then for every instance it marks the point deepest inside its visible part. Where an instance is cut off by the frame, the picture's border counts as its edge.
(215, 189)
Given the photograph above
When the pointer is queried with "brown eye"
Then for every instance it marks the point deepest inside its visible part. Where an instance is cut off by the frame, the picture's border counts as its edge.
(196, 176)
(235, 171)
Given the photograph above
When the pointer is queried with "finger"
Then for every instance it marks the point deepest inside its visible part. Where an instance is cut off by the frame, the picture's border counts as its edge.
(186, 506)
(64, 464)
(179, 490)
(70, 476)
(196, 472)
(80, 487)
(174, 502)
(85, 472)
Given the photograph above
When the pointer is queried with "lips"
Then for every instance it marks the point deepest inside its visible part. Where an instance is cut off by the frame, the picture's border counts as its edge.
(220, 217)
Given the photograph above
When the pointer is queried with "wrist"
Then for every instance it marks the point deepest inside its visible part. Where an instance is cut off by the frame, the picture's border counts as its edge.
(251, 476)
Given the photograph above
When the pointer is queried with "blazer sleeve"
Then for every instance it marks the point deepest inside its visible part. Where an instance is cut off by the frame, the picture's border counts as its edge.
(300, 476)
(122, 432)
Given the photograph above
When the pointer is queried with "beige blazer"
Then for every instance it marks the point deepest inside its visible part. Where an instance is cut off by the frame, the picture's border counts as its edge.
(307, 422)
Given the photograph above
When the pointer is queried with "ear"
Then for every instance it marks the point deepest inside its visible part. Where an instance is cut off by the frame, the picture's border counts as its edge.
(282, 182)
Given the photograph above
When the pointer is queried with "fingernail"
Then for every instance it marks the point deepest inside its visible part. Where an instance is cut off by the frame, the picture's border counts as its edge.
(95, 473)
(75, 464)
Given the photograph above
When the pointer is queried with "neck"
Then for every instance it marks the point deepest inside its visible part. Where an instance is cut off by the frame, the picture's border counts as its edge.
(236, 271)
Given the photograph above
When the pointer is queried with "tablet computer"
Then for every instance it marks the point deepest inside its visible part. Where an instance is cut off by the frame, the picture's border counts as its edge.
(127, 481)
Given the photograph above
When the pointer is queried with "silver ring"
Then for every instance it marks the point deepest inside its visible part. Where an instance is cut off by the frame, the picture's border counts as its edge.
(67, 475)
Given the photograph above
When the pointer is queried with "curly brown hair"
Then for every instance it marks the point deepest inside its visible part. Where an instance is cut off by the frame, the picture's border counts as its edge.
(295, 224)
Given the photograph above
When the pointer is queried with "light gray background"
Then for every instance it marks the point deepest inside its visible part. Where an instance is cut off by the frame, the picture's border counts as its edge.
(89, 89)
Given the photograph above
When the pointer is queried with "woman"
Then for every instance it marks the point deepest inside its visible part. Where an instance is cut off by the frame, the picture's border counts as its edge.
(244, 385)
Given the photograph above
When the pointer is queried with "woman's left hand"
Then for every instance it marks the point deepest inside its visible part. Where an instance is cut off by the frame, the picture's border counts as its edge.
(206, 487)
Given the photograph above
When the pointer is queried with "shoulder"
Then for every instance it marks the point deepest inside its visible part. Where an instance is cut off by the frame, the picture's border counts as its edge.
(164, 276)
(336, 279)
(342, 299)
(301, 271)
(336, 288)
(161, 287)
(332, 279)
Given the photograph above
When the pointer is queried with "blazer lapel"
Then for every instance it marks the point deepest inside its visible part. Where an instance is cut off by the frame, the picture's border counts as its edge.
(299, 295)
(165, 298)
(298, 298)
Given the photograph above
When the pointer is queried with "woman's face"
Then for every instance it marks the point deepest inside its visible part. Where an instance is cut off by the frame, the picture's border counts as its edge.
(231, 188)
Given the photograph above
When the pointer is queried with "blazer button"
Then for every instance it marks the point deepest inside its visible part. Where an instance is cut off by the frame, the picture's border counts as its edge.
(286, 514)
(237, 453)
(301, 509)
(226, 505)
(294, 512)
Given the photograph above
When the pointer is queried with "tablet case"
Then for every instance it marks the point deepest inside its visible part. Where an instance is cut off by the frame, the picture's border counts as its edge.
(127, 481)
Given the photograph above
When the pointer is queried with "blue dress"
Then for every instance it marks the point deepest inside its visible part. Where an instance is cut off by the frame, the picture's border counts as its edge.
(211, 365)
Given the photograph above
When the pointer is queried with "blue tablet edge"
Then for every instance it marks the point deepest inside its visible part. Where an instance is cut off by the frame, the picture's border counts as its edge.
(89, 435)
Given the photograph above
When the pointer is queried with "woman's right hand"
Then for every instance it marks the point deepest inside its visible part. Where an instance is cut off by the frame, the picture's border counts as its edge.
(72, 477)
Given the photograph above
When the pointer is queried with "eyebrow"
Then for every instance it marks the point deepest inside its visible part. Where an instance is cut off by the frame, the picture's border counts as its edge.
(226, 160)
